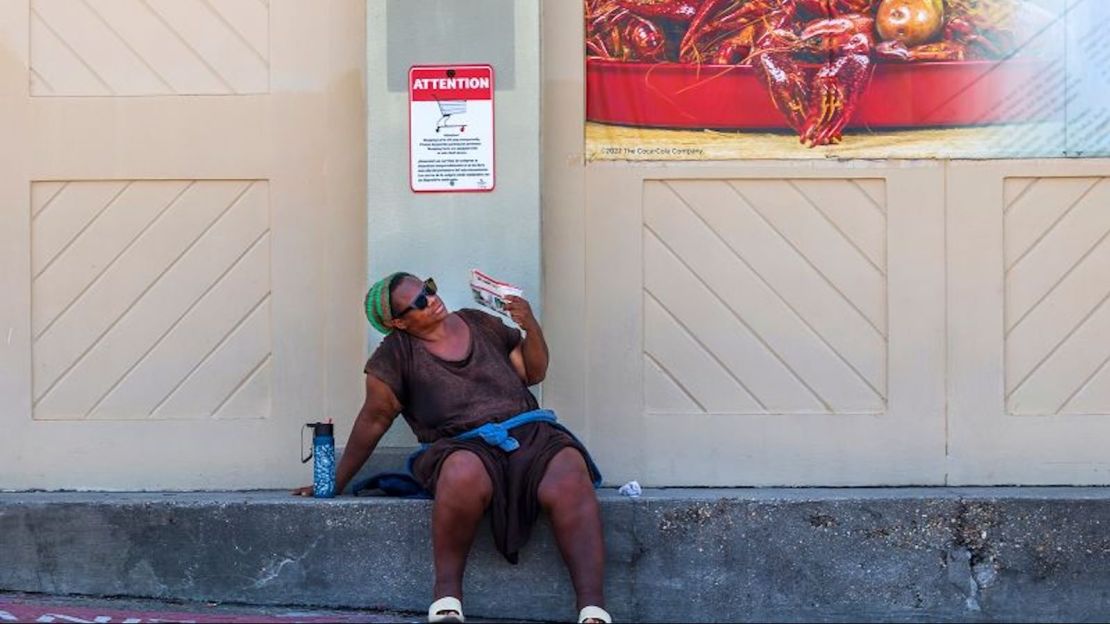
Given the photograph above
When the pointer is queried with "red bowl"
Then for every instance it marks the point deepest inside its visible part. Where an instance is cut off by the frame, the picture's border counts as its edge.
(679, 95)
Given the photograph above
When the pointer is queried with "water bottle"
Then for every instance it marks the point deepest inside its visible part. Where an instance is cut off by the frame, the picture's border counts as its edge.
(323, 456)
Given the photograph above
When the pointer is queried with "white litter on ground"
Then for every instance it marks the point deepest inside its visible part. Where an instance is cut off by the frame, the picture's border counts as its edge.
(631, 488)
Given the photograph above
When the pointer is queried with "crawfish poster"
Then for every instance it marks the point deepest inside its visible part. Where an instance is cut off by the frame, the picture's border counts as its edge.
(733, 79)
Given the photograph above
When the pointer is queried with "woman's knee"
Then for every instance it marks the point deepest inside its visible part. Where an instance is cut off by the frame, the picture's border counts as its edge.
(464, 476)
(567, 479)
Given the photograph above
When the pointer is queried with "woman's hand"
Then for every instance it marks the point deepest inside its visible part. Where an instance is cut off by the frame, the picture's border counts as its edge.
(533, 349)
(521, 312)
(303, 491)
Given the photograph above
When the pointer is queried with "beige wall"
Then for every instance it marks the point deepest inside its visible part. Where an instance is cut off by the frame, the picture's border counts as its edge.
(447, 234)
(182, 208)
(182, 223)
(829, 323)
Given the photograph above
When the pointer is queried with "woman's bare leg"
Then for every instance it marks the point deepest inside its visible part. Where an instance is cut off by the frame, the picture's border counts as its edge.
(463, 491)
(567, 495)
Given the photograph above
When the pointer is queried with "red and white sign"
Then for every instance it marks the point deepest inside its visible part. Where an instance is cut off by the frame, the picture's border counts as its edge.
(451, 128)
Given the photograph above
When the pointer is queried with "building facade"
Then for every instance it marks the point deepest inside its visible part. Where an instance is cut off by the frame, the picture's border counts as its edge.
(195, 195)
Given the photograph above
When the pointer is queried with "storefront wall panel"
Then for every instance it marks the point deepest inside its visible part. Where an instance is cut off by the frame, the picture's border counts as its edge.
(1029, 393)
(182, 214)
(838, 322)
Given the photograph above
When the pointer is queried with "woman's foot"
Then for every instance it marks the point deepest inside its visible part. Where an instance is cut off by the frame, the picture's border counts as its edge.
(594, 615)
(446, 609)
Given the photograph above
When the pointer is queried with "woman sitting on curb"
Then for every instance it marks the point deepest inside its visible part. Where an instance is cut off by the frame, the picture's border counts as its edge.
(461, 380)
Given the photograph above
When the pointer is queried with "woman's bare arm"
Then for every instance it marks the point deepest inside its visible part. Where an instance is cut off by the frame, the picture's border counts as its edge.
(532, 351)
(377, 414)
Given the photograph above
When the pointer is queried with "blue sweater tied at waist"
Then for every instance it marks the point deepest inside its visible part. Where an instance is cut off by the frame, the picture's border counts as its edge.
(493, 434)
(497, 434)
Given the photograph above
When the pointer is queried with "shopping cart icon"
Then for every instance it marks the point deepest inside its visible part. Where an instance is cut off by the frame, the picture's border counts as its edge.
(448, 108)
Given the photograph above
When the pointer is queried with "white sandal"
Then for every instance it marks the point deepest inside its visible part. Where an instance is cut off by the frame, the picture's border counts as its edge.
(594, 613)
(446, 609)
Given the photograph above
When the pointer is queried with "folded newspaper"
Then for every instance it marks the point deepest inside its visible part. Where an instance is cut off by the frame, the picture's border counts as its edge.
(491, 293)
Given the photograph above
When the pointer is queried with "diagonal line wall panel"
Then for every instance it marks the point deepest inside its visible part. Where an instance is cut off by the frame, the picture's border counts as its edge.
(770, 318)
(1014, 189)
(847, 211)
(731, 342)
(43, 195)
(159, 310)
(670, 343)
(56, 225)
(226, 369)
(149, 47)
(215, 42)
(82, 31)
(1057, 233)
(148, 37)
(664, 393)
(184, 349)
(1061, 250)
(252, 397)
(249, 20)
(1085, 351)
(56, 67)
(62, 276)
(132, 326)
(1093, 397)
(1034, 213)
(792, 282)
(818, 242)
(874, 189)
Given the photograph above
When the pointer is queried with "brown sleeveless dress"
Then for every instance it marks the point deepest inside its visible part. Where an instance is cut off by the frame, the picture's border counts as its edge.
(441, 399)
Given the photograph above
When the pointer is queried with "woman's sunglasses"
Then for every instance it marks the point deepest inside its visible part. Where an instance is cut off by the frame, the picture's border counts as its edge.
(421, 300)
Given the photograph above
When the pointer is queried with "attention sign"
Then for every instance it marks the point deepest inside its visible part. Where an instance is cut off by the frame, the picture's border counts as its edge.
(451, 128)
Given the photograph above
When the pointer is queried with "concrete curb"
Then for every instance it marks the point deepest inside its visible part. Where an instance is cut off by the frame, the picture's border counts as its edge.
(907, 554)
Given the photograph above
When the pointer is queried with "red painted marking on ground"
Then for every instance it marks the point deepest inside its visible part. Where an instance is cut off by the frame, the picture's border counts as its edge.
(45, 613)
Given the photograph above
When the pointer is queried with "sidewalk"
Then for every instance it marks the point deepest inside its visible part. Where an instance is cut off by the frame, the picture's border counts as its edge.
(16, 607)
(706, 555)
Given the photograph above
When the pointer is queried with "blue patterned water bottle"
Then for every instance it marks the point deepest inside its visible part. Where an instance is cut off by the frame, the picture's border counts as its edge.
(323, 456)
